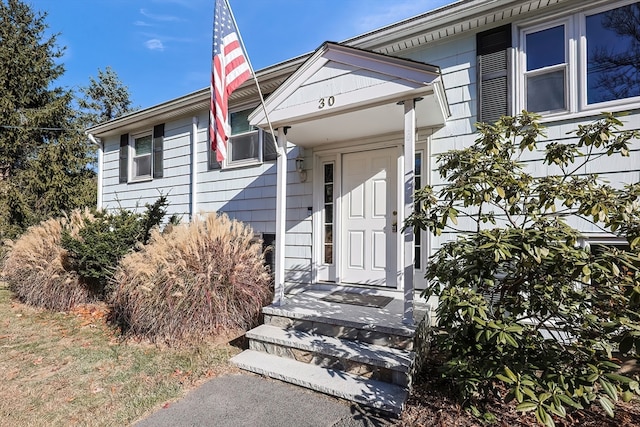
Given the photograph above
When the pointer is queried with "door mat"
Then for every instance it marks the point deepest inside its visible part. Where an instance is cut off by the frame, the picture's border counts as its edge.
(365, 300)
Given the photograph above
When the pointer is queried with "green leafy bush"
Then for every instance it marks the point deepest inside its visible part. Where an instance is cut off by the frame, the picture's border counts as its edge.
(198, 279)
(35, 265)
(523, 306)
(95, 250)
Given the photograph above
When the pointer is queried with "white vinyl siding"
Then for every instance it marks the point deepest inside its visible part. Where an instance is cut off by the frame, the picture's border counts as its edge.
(248, 193)
(176, 173)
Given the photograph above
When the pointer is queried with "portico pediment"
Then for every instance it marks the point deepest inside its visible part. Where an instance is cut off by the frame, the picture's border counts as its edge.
(342, 93)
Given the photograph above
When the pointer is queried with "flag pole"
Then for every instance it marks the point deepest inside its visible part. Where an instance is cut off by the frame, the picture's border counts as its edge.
(255, 78)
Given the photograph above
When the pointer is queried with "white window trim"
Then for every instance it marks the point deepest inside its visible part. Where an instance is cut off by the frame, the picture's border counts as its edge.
(132, 156)
(235, 164)
(253, 161)
(568, 66)
(423, 233)
(577, 65)
(616, 104)
(323, 271)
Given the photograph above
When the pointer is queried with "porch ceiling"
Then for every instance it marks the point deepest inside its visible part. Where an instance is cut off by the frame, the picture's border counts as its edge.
(341, 93)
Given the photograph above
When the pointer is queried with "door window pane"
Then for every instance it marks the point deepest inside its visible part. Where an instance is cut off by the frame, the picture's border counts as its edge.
(328, 213)
(417, 242)
(613, 49)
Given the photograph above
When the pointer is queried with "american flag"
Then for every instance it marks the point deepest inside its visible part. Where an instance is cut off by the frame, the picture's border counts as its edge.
(229, 69)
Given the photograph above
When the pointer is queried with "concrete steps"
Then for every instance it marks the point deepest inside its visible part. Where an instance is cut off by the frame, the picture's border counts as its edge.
(367, 360)
(364, 355)
(377, 394)
(361, 332)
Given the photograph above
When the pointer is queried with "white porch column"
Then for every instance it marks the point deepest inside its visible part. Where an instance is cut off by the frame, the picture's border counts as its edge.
(407, 248)
(281, 217)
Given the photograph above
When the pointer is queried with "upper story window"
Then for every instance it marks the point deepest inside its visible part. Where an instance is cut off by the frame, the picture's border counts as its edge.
(244, 143)
(612, 54)
(247, 145)
(545, 76)
(584, 62)
(141, 156)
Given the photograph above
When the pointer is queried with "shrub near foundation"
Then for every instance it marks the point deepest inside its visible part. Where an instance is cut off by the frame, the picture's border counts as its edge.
(35, 265)
(199, 279)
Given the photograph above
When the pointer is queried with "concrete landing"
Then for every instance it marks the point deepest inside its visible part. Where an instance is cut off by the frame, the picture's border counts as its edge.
(308, 305)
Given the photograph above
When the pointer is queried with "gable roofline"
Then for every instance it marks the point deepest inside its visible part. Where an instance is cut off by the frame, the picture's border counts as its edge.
(409, 70)
(433, 25)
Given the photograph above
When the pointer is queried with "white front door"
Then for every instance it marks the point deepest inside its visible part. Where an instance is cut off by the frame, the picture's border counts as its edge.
(369, 214)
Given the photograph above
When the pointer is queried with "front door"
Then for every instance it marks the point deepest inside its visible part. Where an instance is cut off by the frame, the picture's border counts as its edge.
(368, 219)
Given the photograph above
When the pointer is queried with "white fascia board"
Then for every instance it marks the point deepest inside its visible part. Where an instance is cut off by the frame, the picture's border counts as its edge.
(180, 106)
(306, 70)
(414, 74)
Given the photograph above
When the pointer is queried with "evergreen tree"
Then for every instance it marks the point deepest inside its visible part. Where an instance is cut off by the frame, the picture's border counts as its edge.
(45, 158)
(31, 110)
(104, 99)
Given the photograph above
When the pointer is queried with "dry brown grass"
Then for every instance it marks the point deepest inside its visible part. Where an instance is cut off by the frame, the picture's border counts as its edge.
(34, 265)
(71, 369)
(199, 279)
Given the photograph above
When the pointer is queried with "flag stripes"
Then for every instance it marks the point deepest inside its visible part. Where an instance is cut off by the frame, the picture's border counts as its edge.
(229, 69)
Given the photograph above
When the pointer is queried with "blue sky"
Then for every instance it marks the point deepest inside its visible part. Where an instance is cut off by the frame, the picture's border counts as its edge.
(161, 49)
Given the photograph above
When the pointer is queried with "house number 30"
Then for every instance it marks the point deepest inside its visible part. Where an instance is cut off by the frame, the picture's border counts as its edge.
(324, 102)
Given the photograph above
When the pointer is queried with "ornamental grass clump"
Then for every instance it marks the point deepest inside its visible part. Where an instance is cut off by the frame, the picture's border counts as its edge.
(197, 280)
(35, 265)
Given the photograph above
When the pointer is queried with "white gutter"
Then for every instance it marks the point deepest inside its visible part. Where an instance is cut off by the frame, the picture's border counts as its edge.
(100, 168)
(194, 167)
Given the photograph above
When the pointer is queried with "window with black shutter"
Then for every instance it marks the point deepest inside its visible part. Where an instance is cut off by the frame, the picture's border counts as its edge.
(493, 50)
(124, 157)
(158, 147)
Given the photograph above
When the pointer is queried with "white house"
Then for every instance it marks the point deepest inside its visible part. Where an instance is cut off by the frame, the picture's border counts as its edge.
(360, 122)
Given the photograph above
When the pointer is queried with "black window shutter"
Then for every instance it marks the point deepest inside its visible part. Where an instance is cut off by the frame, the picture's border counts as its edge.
(268, 147)
(124, 157)
(493, 73)
(269, 249)
(158, 147)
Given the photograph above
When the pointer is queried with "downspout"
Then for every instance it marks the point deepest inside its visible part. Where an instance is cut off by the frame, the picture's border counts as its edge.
(100, 168)
(194, 166)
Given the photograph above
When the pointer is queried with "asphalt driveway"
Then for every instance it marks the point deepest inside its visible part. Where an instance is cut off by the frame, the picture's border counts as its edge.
(250, 400)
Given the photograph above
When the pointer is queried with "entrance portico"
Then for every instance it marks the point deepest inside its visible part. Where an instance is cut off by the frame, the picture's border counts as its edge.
(358, 111)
